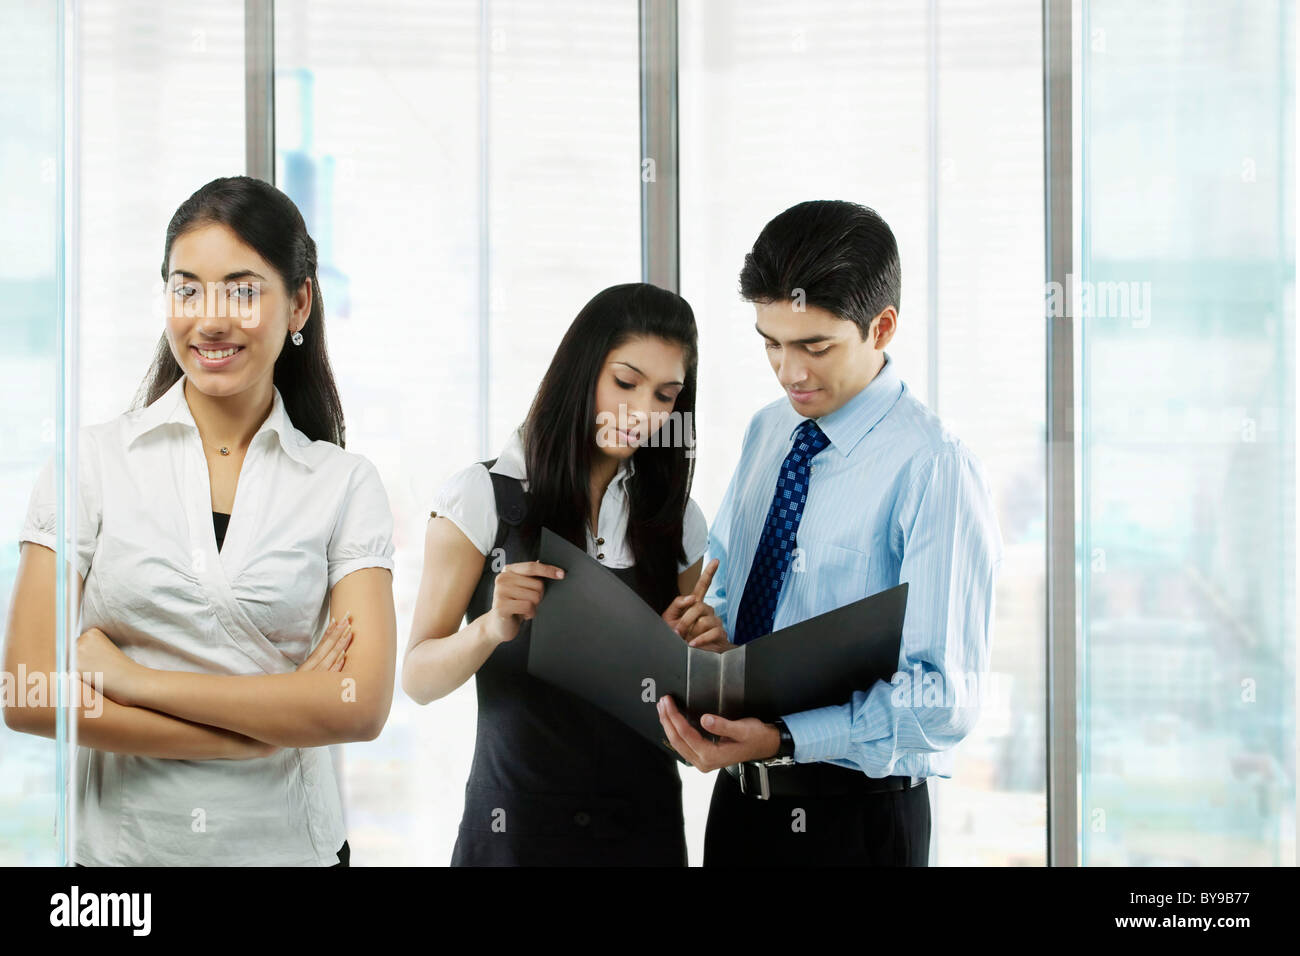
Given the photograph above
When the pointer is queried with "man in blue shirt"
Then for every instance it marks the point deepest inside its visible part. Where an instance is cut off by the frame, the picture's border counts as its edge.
(845, 487)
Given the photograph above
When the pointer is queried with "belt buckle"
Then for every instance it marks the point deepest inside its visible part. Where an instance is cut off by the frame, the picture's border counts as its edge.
(764, 789)
(764, 782)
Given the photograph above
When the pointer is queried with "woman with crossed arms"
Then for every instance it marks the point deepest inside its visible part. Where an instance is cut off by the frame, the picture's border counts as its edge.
(234, 563)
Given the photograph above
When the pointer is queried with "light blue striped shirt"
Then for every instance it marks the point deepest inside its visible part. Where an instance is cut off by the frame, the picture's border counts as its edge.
(894, 497)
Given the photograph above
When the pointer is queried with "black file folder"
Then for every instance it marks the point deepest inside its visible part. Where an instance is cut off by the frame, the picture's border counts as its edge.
(594, 637)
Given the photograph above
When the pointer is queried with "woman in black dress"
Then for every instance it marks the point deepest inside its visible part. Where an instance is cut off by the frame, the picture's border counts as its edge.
(604, 458)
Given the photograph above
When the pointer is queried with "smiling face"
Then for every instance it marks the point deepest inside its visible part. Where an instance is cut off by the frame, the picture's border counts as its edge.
(228, 312)
(638, 386)
(820, 360)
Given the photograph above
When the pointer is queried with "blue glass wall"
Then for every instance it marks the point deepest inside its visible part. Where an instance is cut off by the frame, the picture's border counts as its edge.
(1188, 389)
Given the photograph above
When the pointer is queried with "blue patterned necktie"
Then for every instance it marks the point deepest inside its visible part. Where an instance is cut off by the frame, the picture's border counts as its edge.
(775, 547)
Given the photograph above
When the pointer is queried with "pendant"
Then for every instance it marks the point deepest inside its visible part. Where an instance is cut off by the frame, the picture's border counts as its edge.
(225, 451)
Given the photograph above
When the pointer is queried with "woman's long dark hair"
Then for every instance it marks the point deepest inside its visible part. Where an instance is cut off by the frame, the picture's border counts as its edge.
(559, 434)
(267, 220)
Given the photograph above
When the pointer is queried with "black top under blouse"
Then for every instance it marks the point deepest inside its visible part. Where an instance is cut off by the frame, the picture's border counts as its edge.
(220, 522)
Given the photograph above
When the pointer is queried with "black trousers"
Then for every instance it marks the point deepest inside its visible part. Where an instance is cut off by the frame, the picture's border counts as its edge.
(870, 829)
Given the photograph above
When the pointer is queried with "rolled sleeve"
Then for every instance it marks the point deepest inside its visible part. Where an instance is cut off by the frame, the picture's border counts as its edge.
(952, 551)
(363, 537)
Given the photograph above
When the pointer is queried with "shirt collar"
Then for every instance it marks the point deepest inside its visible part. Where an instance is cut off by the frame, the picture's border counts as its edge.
(172, 408)
(849, 424)
(511, 460)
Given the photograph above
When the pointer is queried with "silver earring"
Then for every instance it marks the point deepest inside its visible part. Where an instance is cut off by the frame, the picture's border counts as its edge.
(296, 338)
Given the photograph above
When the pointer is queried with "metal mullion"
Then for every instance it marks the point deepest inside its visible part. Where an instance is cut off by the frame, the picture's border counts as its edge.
(259, 89)
(1062, 632)
(660, 222)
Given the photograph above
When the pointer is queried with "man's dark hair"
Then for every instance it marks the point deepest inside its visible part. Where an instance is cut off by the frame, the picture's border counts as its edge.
(842, 255)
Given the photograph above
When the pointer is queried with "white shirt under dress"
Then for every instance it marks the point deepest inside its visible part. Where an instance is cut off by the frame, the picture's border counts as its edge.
(467, 499)
(306, 513)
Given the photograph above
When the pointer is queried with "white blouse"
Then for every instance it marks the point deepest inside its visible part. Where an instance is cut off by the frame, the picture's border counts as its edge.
(305, 514)
(467, 499)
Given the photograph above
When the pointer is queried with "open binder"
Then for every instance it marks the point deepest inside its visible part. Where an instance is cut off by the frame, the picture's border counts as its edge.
(594, 637)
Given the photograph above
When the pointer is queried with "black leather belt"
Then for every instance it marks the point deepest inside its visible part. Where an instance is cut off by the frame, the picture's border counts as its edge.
(812, 779)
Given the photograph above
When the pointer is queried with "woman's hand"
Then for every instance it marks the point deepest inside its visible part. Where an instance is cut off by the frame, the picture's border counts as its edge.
(112, 673)
(694, 619)
(330, 654)
(708, 632)
(518, 589)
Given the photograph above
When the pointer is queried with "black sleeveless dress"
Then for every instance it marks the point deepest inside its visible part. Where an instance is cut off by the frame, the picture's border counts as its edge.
(556, 781)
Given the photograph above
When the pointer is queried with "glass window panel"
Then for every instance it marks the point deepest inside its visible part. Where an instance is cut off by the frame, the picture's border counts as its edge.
(991, 393)
(161, 113)
(1188, 524)
(29, 366)
(376, 141)
(782, 103)
(564, 187)
(378, 113)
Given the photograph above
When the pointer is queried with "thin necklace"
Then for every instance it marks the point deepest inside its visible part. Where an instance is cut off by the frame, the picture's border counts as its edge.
(225, 450)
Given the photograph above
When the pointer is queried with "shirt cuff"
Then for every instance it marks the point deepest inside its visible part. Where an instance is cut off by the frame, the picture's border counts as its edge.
(343, 569)
(821, 734)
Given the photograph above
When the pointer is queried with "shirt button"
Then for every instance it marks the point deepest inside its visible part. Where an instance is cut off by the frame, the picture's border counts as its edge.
(600, 540)
(601, 556)
(582, 818)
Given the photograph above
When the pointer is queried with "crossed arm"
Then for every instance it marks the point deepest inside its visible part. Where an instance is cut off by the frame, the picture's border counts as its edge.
(183, 715)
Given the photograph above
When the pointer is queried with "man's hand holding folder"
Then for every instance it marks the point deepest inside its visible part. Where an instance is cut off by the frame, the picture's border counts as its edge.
(738, 740)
